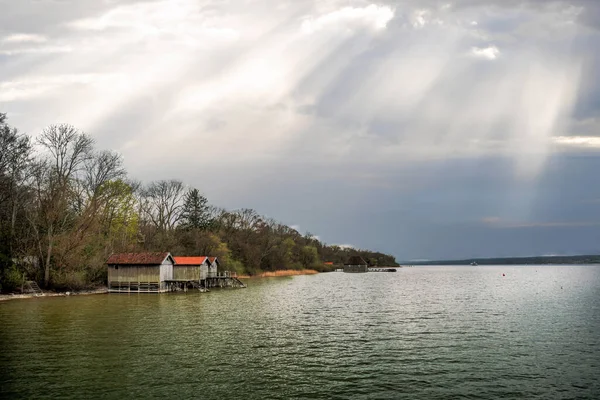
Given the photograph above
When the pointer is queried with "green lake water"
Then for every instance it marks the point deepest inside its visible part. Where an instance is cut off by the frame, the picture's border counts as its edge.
(423, 332)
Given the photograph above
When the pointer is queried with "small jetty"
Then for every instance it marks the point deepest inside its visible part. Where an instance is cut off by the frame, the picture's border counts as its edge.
(222, 280)
(357, 264)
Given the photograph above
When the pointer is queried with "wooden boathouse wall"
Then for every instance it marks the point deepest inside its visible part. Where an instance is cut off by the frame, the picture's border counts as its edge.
(160, 272)
(355, 268)
(142, 272)
(213, 267)
(356, 264)
(190, 272)
(191, 268)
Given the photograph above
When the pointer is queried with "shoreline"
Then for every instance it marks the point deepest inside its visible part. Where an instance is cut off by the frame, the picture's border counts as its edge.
(104, 290)
(7, 297)
(280, 273)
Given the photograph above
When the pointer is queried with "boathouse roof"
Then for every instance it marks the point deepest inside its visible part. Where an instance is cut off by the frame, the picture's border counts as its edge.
(355, 260)
(213, 259)
(139, 258)
(190, 260)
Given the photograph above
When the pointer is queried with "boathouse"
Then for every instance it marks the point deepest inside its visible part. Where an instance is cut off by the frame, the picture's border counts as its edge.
(140, 272)
(191, 268)
(213, 269)
(161, 272)
(356, 264)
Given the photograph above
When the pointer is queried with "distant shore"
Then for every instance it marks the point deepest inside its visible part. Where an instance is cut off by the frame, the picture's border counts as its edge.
(539, 260)
(285, 272)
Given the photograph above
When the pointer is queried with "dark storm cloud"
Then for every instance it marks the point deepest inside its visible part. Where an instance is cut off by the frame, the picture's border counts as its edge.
(444, 209)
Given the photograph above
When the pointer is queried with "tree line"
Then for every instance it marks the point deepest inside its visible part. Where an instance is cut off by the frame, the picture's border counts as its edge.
(65, 206)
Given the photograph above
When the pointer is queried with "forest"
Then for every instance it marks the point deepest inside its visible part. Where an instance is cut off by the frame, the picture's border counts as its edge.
(65, 206)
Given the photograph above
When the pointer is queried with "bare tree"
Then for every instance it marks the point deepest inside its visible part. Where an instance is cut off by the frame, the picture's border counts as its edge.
(248, 219)
(54, 180)
(40, 214)
(68, 148)
(100, 168)
(162, 203)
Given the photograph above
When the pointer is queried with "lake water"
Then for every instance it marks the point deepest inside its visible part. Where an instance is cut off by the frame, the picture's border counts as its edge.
(423, 332)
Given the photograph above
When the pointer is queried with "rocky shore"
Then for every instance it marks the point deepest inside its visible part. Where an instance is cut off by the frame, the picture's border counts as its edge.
(5, 297)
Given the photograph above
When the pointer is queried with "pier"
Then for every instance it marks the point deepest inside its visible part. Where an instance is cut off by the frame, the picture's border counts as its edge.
(221, 280)
(372, 269)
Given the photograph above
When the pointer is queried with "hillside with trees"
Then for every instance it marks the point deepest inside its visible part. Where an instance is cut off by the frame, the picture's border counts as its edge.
(65, 206)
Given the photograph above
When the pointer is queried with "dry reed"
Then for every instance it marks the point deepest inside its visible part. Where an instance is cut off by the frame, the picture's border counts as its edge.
(284, 272)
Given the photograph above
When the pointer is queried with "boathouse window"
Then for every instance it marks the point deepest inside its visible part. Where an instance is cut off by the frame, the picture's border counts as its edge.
(116, 267)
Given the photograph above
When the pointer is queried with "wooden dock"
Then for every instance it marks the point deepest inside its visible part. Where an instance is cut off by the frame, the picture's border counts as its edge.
(224, 280)
(134, 287)
(183, 285)
(372, 269)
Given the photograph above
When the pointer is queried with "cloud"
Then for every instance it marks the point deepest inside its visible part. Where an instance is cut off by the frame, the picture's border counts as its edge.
(146, 17)
(491, 220)
(585, 142)
(400, 94)
(35, 87)
(378, 104)
(489, 53)
(591, 201)
(180, 21)
(572, 224)
(36, 50)
(419, 18)
(498, 223)
(24, 38)
(28, 43)
(373, 17)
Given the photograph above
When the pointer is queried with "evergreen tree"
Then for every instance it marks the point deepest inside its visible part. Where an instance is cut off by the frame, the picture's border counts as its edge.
(195, 213)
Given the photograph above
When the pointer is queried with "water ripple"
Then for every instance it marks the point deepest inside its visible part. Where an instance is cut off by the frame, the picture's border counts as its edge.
(431, 333)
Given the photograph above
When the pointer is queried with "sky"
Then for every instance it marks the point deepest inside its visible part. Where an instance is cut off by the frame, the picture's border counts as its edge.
(426, 129)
